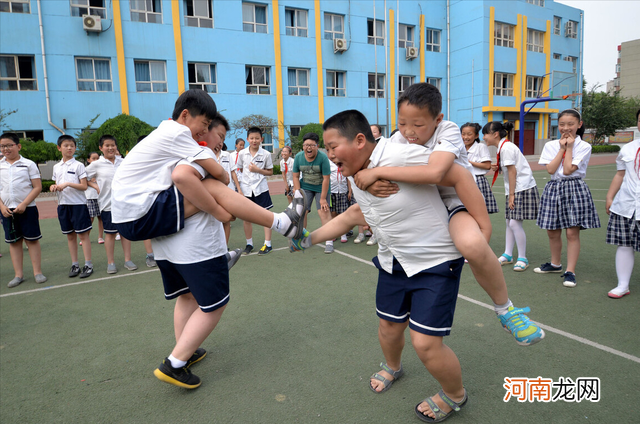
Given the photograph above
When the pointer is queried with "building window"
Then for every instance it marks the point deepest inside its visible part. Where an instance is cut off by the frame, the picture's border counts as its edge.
(257, 78)
(503, 34)
(298, 82)
(534, 86)
(404, 81)
(535, 41)
(198, 13)
(437, 82)
(88, 7)
(571, 29)
(151, 76)
(557, 56)
(296, 22)
(17, 73)
(574, 61)
(35, 135)
(375, 32)
(503, 84)
(536, 2)
(15, 6)
(146, 11)
(254, 18)
(433, 40)
(405, 35)
(294, 130)
(336, 84)
(333, 26)
(376, 86)
(557, 25)
(93, 74)
(203, 76)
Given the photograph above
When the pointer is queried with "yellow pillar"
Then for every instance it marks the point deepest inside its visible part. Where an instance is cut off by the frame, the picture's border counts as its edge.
(392, 68)
(320, 69)
(122, 71)
(492, 28)
(421, 49)
(278, 72)
(177, 39)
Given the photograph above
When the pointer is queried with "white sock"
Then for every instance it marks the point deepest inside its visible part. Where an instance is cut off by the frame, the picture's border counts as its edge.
(176, 363)
(624, 266)
(88, 263)
(557, 266)
(250, 241)
(502, 309)
(306, 242)
(267, 243)
(329, 242)
(281, 222)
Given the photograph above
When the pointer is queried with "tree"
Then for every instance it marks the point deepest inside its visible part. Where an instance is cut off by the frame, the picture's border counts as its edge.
(39, 151)
(604, 113)
(125, 128)
(240, 127)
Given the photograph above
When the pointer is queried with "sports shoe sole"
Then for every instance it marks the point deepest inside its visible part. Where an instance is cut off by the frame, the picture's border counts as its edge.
(300, 224)
(168, 379)
(232, 262)
(201, 354)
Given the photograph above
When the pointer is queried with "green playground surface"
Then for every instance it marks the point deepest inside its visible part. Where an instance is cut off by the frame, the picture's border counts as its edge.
(298, 340)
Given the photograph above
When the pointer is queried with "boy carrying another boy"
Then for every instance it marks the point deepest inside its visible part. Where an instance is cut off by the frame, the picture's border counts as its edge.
(70, 183)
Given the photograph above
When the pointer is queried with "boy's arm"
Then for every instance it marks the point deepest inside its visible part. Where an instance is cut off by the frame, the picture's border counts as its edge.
(296, 181)
(255, 168)
(92, 183)
(187, 180)
(339, 225)
(214, 169)
(616, 183)
(36, 183)
(4, 210)
(82, 185)
(234, 177)
(326, 183)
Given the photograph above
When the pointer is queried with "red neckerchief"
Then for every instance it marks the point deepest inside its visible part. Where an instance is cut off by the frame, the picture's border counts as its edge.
(495, 176)
(286, 168)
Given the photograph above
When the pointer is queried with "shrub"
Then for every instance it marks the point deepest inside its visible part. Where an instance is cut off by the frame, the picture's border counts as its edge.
(39, 151)
(125, 128)
(46, 184)
(276, 169)
(609, 148)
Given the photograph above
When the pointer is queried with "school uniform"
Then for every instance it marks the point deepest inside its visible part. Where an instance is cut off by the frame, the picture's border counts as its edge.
(479, 152)
(104, 170)
(233, 165)
(225, 162)
(287, 170)
(15, 186)
(339, 190)
(526, 197)
(254, 185)
(624, 222)
(73, 213)
(566, 200)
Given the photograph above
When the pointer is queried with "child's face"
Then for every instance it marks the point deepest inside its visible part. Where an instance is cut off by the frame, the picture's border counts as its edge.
(492, 139)
(468, 136)
(94, 157)
(286, 153)
(417, 125)
(109, 149)
(239, 145)
(199, 125)
(13, 151)
(346, 154)
(375, 131)
(215, 138)
(568, 125)
(254, 139)
(68, 149)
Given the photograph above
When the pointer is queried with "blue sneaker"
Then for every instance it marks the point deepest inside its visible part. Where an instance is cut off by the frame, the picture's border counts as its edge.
(517, 323)
(295, 245)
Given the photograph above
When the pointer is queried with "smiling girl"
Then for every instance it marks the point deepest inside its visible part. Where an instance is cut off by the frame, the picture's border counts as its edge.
(480, 160)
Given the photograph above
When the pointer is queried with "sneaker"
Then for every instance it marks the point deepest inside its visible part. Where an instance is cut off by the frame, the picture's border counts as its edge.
(518, 324)
(15, 282)
(547, 268)
(569, 279)
(297, 245)
(100, 240)
(118, 236)
(74, 271)
(81, 243)
(180, 377)
(368, 233)
(264, 250)
(359, 239)
(198, 355)
(111, 269)
(232, 259)
(328, 249)
(130, 266)
(150, 260)
(350, 233)
(40, 278)
(372, 240)
(86, 271)
(343, 239)
(618, 293)
(247, 249)
(296, 212)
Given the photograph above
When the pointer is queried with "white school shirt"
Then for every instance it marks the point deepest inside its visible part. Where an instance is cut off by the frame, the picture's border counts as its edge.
(225, 163)
(90, 193)
(338, 181)
(254, 183)
(289, 169)
(146, 171)
(581, 155)
(479, 152)
(411, 225)
(104, 171)
(70, 171)
(15, 180)
(627, 199)
(234, 165)
(510, 154)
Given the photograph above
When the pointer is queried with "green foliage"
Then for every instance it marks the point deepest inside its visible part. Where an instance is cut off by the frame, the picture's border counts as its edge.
(125, 128)
(3, 116)
(610, 148)
(604, 113)
(39, 151)
(239, 128)
(296, 142)
(46, 184)
(276, 169)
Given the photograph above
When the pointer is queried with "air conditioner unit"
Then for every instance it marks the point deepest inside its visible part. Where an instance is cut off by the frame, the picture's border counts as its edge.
(412, 53)
(339, 45)
(91, 23)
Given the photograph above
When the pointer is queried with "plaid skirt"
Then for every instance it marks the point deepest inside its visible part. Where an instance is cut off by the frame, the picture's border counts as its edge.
(565, 204)
(339, 202)
(526, 205)
(94, 208)
(485, 189)
(623, 231)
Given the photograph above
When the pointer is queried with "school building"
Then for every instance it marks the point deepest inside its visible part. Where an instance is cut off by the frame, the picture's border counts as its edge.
(62, 62)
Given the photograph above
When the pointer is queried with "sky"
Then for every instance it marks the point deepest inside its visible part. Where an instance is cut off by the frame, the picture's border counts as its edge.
(607, 24)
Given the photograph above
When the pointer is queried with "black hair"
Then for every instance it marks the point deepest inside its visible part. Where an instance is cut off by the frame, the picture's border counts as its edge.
(254, 130)
(107, 137)
(93, 153)
(476, 127)
(311, 136)
(576, 115)
(393, 132)
(224, 147)
(378, 127)
(11, 136)
(502, 128)
(637, 114)
(197, 102)
(238, 140)
(65, 137)
(424, 96)
(287, 147)
(219, 120)
(349, 124)
(142, 137)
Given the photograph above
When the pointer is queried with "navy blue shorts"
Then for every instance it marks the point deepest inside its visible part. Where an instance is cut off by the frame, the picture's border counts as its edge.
(22, 226)
(74, 218)
(107, 224)
(208, 281)
(165, 217)
(262, 199)
(427, 299)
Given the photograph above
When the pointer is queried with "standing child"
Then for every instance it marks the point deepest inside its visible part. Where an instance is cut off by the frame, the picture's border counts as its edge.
(70, 183)
(286, 168)
(566, 201)
(92, 199)
(623, 206)
(20, 184)
(340, 195)
(236, 175)
(480, 160)
(521, 191)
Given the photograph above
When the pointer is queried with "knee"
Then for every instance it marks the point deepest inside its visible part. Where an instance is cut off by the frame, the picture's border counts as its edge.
(425, 343)
(573, 234)
(472, 245)
(183, 174)
(390, 329)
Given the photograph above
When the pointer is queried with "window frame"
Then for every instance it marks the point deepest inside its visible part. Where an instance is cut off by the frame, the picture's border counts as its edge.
(201, 20)
(535, 40)
(18, 79)
(336, 89)
(373, 37)
(298, 90)
(430, 44)
(401, 83)
(330, 32)
(536, 2)
(436, 80)
(94, 80)
(500, 89)
(267, 83)
(296, 28)
(403, 36)
(501, 40)
(255, 24)
(202, 85)
(99, 10)
(377, 78)
(574, 61)
(298, 128)
(137, 13)
(533, 86)
(557, 56)
(571, 29)
(10, 4)
(557, 25)
(151, 81)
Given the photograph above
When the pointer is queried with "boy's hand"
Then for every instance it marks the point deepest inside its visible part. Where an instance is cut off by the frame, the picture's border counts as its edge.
(494, 168)
(19, 209)
(365, 177)
(253, 167)
(53, 187)
(6, 212)
(383, 188)
(61, 186)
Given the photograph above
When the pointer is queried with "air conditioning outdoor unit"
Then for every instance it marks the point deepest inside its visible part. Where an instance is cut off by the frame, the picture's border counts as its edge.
(339, 45)
(412, 53)
(91, 23)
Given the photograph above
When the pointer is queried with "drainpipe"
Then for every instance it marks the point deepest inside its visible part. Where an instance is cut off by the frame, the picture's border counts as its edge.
(448, 64)
(44, 67)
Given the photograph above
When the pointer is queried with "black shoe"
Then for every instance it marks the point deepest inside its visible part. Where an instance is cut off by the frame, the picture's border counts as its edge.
(86, 271)
(74, 271)
(350, 233)
(180, 377)
(197, 356)
(247, 249)
(264, 250)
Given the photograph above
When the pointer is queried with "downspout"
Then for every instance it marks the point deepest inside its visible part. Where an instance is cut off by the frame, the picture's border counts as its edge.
(44, 68)
(448, 65)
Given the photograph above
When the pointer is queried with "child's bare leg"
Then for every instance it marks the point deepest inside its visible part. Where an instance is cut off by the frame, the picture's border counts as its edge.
(340, 225)
(36, 254)
(555, 244)
(147, 247)
(17, 256)
(72, 242)
(197, 328)
(443, 365)
(100, 228)
(196, 196)
(573, 248)
(391, 337)
(86, 245)
(185, 306)
(227, 230)
(126, 248)
(248, 229)
(109, 246)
